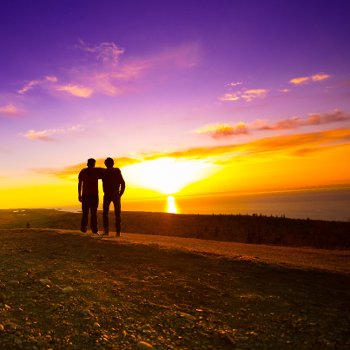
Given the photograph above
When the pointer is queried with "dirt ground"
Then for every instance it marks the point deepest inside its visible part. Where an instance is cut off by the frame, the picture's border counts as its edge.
(65, 290)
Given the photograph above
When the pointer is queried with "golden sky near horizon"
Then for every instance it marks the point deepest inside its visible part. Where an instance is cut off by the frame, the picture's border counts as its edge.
(276, 163)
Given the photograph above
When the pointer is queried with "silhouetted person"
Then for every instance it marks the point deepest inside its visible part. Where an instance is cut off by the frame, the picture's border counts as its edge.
(113, 188)
(88, 195)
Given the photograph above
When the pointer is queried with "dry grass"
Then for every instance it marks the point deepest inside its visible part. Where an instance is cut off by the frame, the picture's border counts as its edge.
(66, 290)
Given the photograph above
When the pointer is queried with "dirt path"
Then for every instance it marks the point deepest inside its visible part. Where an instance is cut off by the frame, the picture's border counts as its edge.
(61, 290)
(305, 258)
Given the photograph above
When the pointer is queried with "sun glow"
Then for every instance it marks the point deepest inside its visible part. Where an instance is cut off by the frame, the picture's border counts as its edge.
(167, 175)
(171, 205)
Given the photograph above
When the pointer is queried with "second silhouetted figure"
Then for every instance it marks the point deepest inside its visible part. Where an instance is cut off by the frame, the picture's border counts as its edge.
(113, 188)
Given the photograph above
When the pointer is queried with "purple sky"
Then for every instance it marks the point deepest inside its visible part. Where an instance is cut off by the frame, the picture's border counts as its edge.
(84, 79)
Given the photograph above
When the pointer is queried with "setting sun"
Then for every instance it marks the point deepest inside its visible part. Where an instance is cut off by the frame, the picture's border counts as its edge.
(167, 175)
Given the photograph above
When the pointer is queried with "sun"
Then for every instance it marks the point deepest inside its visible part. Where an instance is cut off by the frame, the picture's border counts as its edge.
(167, 175)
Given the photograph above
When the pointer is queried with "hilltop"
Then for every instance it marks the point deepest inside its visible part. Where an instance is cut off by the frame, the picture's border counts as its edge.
(255, 229)
(61, 289)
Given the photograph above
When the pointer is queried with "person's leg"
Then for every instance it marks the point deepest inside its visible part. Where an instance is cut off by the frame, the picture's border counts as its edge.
(106, 203)
(85, 215)
(117, 212)
(93, 208)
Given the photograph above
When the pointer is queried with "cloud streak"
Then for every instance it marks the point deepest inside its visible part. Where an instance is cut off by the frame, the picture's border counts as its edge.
(49, 134)
(76, 90)
(308, 79)
(247, 95)
(296, 145)
(108, 71)
(40, 82)
(220, 131)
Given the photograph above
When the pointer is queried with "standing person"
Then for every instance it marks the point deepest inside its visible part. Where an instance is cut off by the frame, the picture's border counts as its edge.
(88, 195)
(113, 188)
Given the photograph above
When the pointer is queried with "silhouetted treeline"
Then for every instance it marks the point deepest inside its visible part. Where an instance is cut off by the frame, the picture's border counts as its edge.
(256, 229)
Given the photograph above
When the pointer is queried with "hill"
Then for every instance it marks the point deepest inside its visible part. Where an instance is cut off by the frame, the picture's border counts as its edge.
(74, 291)
(256, 229)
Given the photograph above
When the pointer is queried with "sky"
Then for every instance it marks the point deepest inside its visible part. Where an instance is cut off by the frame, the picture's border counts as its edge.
(189, 97)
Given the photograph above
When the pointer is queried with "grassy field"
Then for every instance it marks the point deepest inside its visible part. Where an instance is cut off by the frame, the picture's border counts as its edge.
(232, 228)
(73, 291)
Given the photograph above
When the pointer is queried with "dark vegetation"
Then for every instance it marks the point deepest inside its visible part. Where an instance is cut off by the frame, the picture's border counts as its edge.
(256, 229)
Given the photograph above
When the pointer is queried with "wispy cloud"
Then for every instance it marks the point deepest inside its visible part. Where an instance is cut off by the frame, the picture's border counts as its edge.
(49, 134)
(219, 131)
(10, 110)
(247, 95)
(105, 52)
(234, 83)
(292, 145)
(312, 78)
(108, 71)
(76, 90)
(313, 119)
(116, 74)
(28, 86)
(295, 145)
(39, 82)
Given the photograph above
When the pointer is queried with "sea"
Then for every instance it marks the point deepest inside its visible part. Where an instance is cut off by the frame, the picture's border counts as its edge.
(324, 204)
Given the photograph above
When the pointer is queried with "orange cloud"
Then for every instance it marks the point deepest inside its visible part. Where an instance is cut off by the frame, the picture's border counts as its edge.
(10, 110)
(288, 144)
(76, 90)
(299, 80)
(279, 162)
(313, 119)
(219, 131)
(320, 77)
(312, 78)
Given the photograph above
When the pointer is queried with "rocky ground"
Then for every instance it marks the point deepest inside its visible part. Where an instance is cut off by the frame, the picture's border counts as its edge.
(70, 291)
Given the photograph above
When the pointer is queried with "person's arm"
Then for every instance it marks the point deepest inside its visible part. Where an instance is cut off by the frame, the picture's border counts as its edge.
(79, 188)
(100, 172)
(122, 184)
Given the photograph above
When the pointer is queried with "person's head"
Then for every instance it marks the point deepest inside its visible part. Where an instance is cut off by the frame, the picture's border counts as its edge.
(109, 162)
(91, 162)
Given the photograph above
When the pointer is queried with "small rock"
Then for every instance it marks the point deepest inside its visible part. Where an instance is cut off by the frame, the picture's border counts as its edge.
(67, 290)
(45, 281)
(142, 345)
(188, 317)
(96, 325)
(87, 313)
(6, 307)
(13, 283)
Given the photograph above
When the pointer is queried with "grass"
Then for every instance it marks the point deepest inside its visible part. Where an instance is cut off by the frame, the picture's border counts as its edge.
(120, 293)
(254, 229)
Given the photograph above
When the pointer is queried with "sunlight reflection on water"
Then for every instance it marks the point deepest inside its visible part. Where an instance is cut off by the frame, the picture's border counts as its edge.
(171, 207)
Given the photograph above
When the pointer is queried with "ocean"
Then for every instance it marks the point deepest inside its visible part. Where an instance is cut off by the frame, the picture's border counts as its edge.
(325, 204)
